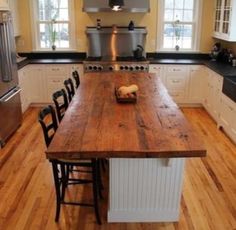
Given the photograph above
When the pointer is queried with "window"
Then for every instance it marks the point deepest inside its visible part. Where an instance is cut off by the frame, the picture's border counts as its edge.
(53, 24)
(179, 25)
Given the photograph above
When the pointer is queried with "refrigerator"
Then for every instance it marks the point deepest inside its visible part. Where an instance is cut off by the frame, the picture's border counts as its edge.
(10, 104)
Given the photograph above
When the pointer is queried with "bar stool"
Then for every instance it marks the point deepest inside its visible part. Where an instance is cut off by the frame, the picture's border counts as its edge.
(75, 75)
(69, 88)
(61, 103)
(48, 121)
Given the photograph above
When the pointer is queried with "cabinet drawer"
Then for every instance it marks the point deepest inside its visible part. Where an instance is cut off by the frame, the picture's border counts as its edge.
(154, 68)
(178, 96)
(57, 70)
(174, 82)
(176, 69)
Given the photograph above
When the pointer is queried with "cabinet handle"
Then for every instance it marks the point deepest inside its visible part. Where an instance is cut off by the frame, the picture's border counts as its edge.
(175, 81)
(176, 70)
(56, 81)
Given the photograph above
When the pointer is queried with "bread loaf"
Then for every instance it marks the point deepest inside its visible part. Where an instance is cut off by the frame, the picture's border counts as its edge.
(125, 90)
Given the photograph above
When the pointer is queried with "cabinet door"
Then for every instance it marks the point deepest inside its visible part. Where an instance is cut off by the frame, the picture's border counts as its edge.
(36, 80)
(177, 78)
(225, 113)
(233, 123)
(54, 78)
(158, 70)
(24, 85)
(196, 87)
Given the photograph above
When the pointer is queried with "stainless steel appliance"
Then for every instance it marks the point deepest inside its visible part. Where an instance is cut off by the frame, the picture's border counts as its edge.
(123, 64)
(10, 105)
(114, 49)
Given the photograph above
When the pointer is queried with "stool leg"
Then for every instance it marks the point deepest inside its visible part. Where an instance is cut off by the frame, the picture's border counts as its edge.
(95, 189)
(57, 188)
(100, 185)
(63, 181)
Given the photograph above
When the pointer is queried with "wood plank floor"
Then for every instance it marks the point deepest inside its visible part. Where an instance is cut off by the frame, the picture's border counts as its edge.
(27, 198)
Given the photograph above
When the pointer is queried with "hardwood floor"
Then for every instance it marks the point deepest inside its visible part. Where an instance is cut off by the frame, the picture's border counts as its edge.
(28, 198)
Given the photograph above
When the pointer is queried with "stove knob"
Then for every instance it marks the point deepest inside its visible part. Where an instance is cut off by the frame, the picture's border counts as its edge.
(142, 67)
(90, 67)
(131, 68)
(111, 68)
(95, 68)
(137, 67)
(100, 68)
(121, 67)
(126, 67)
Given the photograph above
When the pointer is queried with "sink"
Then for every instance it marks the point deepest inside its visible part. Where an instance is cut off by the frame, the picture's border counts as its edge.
(229, 87)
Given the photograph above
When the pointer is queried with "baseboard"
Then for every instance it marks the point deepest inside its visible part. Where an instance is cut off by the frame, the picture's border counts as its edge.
(142, 216)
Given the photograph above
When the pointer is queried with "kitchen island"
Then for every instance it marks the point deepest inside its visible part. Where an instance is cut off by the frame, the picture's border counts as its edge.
(146, 142)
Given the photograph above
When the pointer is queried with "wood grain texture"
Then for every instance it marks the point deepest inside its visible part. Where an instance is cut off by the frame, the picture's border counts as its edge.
(28, 196)
(95, 125)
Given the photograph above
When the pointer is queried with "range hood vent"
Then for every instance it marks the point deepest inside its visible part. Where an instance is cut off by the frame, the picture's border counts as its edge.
(133, 6)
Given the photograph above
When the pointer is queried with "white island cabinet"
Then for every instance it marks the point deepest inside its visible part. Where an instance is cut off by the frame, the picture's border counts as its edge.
(145, 190)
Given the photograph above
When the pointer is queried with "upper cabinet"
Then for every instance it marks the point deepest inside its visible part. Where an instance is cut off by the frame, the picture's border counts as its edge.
(13, 4)
(225, 20)
(4, 5)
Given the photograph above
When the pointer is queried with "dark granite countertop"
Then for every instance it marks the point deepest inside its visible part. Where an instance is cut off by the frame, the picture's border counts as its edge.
(223, 69)
(49, 61)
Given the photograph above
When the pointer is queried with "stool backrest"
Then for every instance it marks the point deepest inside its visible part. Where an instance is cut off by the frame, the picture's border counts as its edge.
(47, 119)
(69, 88)
(61, 103)
(75, 75)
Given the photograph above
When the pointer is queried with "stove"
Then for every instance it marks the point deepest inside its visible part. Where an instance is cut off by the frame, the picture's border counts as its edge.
(121, 63)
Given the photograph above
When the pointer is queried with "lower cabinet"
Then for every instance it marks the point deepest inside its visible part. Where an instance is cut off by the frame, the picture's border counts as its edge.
(213, 94)
(39, 82)
(227, 116)
(196, 89)
(25, 88)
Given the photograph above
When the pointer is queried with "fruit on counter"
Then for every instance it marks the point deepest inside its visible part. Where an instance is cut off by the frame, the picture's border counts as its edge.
(127, 90)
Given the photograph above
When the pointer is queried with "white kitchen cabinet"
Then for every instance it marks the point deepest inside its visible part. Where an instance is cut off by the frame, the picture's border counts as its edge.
(79, 68)
(54, 78)
(212, 97)
(25, 88)
(225, 23)
(227, 116)
(13, 4)
(37, 83)
(177, 80)
(158, 70)
(4, 5)
(196, 87)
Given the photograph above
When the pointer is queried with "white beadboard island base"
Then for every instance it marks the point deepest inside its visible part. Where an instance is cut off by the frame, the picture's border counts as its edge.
(145, 190)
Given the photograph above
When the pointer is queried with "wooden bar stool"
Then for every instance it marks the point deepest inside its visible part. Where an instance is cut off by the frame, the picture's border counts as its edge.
(61, 103)
(48, 121)
(69, 88)
(75, 75)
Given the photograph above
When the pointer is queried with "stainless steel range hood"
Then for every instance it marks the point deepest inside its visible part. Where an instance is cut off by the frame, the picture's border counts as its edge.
(133, 6)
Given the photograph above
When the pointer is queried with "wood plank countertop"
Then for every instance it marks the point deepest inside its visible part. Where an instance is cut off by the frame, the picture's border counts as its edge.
(95, 125)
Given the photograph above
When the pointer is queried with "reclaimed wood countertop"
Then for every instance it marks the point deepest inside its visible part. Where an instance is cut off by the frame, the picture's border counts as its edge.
(95, 125)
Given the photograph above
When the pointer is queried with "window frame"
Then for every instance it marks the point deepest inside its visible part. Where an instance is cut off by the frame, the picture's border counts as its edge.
(35, 27)
(197, 19)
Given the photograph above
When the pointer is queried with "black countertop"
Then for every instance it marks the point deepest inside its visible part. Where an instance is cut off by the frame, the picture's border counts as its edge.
(223, 69)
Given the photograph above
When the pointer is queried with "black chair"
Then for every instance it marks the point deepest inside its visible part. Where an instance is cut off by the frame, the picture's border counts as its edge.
(75, 75)
(69, 88)
(48, 121)
(61, 103)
